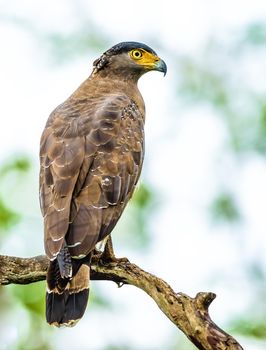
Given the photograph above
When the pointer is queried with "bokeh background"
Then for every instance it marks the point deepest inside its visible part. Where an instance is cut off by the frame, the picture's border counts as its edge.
(198, 217)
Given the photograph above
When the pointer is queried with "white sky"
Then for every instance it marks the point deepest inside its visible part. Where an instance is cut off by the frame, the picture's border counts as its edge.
(30, 87)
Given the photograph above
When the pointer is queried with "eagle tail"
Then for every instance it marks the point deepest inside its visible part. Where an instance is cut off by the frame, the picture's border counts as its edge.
(66, 297)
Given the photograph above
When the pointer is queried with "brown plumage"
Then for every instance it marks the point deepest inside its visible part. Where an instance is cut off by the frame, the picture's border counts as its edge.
(91, 156)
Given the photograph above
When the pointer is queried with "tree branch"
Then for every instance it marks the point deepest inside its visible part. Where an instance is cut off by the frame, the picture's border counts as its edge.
(190, 315)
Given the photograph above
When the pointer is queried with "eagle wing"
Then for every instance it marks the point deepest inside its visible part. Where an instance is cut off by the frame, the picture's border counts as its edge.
(91, 157)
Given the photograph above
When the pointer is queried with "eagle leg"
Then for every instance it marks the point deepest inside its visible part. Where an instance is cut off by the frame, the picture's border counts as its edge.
(108, 255)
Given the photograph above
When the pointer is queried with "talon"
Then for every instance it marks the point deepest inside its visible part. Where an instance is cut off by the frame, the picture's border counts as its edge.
(122, 260)
(112, 260)
(96, 255)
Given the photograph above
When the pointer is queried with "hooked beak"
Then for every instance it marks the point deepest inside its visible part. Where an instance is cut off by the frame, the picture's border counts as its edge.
(160, 66)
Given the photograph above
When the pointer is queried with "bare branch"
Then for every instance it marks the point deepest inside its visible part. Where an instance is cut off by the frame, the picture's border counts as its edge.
(190, 315)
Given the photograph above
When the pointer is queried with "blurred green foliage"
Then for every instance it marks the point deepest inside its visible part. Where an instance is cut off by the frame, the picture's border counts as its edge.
(29, 297)
(97, 300)
(255, 34)
(252, 322)
(251, 327)
(8, 217)
(17, 166)
(64, 47)
(202, 83)
(219, 77)
(133, 229)
(224, 208)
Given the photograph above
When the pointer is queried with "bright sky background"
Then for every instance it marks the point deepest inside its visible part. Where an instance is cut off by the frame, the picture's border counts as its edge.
(31, 87)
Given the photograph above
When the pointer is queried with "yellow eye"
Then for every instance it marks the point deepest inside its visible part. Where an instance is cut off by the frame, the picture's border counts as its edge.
(136, 54)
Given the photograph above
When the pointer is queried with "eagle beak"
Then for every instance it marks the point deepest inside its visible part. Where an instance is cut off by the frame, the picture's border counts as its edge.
(160, 66)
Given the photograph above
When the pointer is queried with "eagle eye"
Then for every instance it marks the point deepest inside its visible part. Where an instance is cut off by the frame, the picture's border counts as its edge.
(136, 54)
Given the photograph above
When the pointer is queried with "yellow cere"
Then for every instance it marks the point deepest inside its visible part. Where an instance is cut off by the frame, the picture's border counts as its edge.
(143, 57)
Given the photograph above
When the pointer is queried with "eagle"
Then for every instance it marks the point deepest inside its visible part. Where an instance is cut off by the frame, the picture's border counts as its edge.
(91, 155)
